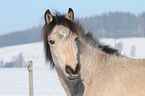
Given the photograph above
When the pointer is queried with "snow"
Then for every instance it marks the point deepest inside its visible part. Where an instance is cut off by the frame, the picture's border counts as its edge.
(31, 52)
(15, 81)
(139, 44)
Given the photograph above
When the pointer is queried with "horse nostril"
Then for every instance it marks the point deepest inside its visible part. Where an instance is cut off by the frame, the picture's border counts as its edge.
(70, 71)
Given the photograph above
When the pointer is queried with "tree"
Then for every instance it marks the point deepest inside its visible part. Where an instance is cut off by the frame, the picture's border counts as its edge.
(9, 64)
(119, 46)
(19, 62)
(133, 51)
(1, 63)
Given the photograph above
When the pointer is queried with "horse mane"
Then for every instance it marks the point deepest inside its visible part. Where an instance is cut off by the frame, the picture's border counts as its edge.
(96, 44)
(75, 27)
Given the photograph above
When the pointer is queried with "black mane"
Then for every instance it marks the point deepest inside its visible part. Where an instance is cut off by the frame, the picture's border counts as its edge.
(96, 44)
(74, 27)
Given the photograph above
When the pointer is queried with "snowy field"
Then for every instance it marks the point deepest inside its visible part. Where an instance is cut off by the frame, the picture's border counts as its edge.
(15, 81)
(128, 43)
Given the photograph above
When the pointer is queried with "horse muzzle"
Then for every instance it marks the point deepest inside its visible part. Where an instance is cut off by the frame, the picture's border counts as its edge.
(73, 74)
(74, 77)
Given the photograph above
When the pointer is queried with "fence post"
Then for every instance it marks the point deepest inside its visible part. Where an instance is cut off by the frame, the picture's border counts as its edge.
(30, 69)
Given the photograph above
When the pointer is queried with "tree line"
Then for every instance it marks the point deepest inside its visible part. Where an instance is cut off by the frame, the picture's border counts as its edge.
(106, 25)
(17, 61)
(116, 25)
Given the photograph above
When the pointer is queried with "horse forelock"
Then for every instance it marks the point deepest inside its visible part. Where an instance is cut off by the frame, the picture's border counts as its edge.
(59, 19)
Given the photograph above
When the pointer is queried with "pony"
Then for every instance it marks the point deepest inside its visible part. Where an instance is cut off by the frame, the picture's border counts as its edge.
(85, 66)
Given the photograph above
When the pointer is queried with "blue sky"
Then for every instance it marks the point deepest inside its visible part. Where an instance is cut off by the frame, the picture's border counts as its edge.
(16, 15)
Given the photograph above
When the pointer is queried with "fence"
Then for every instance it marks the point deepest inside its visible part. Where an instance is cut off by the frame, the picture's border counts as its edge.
(30, 69)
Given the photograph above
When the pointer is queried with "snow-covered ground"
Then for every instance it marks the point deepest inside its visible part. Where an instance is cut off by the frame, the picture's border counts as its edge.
(128, 43)
(14, 81)
(31, 52)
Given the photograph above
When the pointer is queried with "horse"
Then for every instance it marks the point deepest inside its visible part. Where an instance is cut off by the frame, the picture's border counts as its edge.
(86, 67)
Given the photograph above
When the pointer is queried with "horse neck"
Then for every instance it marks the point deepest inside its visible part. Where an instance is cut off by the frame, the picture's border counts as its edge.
(97, 64)
(98, 69)
(92, 60)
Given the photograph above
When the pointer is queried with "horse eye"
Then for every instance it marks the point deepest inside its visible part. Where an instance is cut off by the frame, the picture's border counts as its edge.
(76, 38)
(52, 42)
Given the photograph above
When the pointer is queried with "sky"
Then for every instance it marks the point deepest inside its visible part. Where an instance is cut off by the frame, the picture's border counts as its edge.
(18, 15)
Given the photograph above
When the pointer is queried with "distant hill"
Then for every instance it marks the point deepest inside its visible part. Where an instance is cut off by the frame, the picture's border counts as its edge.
(116, 25)
(109, 25)
(21, 37)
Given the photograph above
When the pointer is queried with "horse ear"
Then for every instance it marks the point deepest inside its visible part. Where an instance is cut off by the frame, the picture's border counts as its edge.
(70, 14)
(48, 17)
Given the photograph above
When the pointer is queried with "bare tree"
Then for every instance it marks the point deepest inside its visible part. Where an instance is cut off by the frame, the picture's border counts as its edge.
(133, 51)
(1, 64)
(19, 62)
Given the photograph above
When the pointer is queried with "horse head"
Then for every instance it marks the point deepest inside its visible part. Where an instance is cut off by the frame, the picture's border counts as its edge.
(60, 42)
